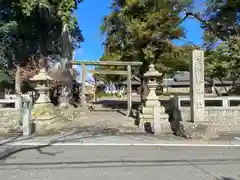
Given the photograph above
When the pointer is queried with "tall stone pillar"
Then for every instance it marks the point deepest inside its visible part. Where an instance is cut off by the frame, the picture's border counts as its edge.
(18, 104)
(152, 112)
(83, 89)
(197, 87)
(129, 91)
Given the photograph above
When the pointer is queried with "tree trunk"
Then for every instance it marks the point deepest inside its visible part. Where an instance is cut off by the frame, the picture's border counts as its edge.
(17, 81)
(213, 85)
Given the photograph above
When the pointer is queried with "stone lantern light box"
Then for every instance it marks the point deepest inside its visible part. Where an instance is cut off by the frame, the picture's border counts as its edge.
(43, 80)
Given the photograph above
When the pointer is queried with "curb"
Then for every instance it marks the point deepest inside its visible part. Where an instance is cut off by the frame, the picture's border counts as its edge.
(120, 144)
(96, 142)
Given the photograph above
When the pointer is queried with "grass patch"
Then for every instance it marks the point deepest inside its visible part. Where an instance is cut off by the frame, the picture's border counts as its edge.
(103, 94)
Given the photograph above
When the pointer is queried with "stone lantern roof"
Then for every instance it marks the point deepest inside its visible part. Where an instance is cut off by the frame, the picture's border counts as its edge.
(152, 72)
(42, 75)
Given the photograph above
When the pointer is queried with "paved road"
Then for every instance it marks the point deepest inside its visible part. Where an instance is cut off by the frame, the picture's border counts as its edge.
(119, 163)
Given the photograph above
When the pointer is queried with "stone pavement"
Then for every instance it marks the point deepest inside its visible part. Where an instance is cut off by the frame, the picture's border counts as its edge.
(119, 162)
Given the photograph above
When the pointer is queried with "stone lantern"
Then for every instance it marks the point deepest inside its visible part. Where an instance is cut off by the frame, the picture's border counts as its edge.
(153, 114)
(43, 80)
(43, 109)
(151, 75)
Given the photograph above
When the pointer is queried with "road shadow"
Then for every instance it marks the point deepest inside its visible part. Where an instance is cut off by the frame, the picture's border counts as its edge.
(7, 140)
(93, 132)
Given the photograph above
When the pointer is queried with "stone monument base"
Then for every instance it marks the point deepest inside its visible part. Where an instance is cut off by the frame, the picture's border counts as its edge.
(194, 130)
(162, 127)
(156, 118)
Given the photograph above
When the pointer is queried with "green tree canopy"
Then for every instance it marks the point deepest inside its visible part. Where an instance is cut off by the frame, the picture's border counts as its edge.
(34, 27)
(222, 40)
(220, 22)
(143, 30)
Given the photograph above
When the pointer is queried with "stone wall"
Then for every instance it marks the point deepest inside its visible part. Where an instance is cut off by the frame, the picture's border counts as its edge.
(222, 112)
(224, 119)
(209, 90)
(10, 120)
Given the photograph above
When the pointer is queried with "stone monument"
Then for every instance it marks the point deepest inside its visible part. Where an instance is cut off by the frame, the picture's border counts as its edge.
(197, 86)
(27, 119)
(19, 100)
(152, 111)
(43, 109)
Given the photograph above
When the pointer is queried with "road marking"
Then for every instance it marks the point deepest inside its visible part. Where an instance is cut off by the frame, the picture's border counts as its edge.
(121, 144)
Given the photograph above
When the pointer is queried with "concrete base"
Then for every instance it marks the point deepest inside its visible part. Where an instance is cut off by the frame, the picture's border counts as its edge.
(157, 118)
(162, 127)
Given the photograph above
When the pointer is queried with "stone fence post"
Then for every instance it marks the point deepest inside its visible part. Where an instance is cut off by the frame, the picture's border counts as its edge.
(18, 102)
(27, 118)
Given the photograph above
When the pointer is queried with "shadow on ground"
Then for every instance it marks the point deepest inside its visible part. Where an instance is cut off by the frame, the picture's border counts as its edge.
(90, 132)
(117, 104)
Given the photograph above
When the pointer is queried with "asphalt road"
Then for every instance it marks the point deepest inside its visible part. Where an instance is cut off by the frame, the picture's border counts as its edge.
(119, 163)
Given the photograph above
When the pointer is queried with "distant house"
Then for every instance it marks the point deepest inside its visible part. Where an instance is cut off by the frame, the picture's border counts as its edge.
(180, 83)
(236, 89)
(136, 83)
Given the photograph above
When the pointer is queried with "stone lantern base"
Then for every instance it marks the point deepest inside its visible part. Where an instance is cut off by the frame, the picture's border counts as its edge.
(156, 117)
(46, 118)
(43, 111)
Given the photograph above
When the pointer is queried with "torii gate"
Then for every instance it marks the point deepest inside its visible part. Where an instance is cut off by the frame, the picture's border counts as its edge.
(127, 73)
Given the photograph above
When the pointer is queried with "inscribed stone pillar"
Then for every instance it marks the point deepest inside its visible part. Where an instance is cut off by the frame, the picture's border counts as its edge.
(83, 89)
(26, 122)
(18, 104)
(197, 86)
(129, 90)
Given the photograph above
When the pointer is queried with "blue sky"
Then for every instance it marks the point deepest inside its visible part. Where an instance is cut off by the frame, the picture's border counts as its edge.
(90, 16)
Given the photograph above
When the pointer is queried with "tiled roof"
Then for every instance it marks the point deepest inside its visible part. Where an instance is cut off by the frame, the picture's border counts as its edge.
(182, 79)
(181, 76)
